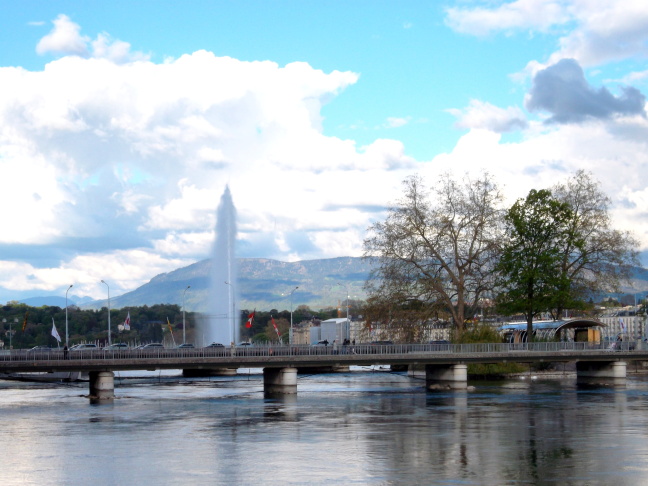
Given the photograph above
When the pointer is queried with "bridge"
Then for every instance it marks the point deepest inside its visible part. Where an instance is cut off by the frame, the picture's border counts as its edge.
(445, 364)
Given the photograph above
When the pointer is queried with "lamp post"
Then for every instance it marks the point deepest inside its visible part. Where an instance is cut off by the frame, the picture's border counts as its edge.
(66, 316)
(290, 338)
(108, 287)
(4, 321)
(184, 324)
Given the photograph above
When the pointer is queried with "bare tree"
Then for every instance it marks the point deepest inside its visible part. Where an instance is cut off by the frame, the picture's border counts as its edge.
(437, 248)
(596, 257)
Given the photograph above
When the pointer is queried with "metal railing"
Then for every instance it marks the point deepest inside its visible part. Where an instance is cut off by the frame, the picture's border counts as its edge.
(305, 350)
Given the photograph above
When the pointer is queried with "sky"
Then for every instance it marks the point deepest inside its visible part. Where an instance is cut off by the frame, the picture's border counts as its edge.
(121, 123)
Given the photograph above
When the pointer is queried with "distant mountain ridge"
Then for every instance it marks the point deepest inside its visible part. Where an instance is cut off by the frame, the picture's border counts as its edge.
(55, 301)
(322, 283)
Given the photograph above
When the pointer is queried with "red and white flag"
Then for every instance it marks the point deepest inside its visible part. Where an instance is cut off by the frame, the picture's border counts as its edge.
(127, 322)
(248, 324)
(274, 324)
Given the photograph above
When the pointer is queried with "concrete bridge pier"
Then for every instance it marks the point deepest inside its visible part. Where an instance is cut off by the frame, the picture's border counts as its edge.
(446, 376)
(604, 372)
(102, 385)
(279, 381)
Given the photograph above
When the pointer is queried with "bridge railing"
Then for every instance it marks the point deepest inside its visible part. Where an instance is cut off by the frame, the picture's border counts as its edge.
(305, 350)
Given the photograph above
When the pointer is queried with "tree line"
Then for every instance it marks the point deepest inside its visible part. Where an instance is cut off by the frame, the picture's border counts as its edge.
(32, 326)
(453, 250)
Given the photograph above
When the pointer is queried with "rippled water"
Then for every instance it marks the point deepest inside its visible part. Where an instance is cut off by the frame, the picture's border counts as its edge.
(374, 428)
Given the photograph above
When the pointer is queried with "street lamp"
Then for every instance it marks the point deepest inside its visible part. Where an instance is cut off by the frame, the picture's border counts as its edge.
(108, 287)
(67, 344)
(184, 325)
(290, 339)
(4, 321)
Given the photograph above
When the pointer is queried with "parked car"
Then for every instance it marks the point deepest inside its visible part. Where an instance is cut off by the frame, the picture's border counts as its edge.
(215, 345)
(150, 346)
(42, 349)
(84, 347)
(186, 346)
(116, 347)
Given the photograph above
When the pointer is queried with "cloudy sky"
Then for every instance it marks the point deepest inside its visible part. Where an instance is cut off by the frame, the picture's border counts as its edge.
(122, 122)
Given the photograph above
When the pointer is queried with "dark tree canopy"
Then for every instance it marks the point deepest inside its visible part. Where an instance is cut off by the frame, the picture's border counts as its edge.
(537, 231)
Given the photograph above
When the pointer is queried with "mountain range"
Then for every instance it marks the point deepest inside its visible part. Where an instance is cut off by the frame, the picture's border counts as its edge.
(263, 284)
(266, 284)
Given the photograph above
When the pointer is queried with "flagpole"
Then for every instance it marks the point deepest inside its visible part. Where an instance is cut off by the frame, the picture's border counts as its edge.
(66, 316)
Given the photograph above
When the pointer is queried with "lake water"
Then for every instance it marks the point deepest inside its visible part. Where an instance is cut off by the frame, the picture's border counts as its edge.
(361, 427)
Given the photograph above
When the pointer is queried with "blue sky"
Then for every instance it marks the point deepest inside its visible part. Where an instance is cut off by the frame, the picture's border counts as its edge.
(122, 122)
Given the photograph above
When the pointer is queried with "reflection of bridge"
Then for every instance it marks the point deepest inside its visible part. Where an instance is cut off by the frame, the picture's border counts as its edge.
(445, 364)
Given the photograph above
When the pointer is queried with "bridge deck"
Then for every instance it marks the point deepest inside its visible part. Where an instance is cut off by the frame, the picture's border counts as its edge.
(308, 356)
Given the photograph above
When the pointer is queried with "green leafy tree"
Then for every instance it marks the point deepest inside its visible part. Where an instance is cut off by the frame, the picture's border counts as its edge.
(529, 266)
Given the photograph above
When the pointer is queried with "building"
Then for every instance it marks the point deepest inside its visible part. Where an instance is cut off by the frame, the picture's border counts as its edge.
(332, 330)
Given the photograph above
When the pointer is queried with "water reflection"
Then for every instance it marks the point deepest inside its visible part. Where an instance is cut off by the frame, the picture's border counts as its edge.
(362, 428)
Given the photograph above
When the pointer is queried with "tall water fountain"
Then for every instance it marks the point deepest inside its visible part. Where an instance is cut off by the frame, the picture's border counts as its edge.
(221, 325)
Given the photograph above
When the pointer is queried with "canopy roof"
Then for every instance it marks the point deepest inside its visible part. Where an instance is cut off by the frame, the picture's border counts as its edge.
(576, 323)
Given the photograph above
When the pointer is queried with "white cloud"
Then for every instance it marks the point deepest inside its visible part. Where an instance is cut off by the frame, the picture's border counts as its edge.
(483, 115)
(547, 156)
(66, 39)
(115, 50)
(123, 270)
(113, 169)
(120, 164)
(631, 78)
(518, 15)
(606, 31)
(395, 122)
(591, 31)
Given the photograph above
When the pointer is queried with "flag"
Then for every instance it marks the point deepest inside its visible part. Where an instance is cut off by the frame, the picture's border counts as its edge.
(248, 324)
(621, 324)
(55, 333)
(127, 322)
(25, 321)
(274, 324)
(169, 325)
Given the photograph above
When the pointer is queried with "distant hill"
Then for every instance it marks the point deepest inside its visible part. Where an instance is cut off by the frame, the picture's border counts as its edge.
(322, 284)
(55, 301)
